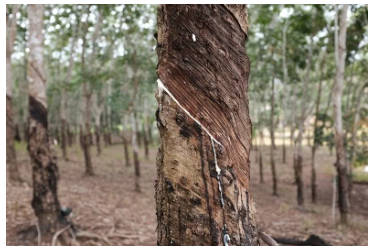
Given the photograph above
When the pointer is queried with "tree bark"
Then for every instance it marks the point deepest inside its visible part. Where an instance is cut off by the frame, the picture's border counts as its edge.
(125, 143)
(340, 53)
(260, 163)
(86, 142)
(43, 160)
(135, 149)
(272, 162)
(145, 129)
(202, 189)
(11, 160)
(298, 152)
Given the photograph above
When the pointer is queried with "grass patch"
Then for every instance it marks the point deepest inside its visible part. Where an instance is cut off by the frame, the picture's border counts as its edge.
(359, 175)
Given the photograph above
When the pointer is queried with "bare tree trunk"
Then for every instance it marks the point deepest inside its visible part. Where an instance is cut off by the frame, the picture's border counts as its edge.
(97, 135)
(260, 163)
(203, 160)
(11, 160)
(272, 162)
(43, 160)
(145, 129)
(87, 112)
(314, 146)
(340, 53)
(354, 135)
(285, 80)
(125, 143)
(135, 149)
(298, 154)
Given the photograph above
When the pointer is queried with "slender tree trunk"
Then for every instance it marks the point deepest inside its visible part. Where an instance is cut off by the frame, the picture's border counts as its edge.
(272, 162)
(354, 135)
(125, 143)
(298, 154)
(150, 134)
(260, 163)
(87, 113)
(340, 53)
(43, 161)
(81, 136)
(202, 189)
(135, 149)
(314, 146)
(11, 161)
(97, 135)
(145, 129)
(285, 80)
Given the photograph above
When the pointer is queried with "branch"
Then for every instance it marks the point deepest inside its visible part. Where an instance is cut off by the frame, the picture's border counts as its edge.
(267, 239)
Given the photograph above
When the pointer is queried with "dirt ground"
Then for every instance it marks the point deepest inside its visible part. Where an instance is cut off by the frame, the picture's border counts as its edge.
(107, 206)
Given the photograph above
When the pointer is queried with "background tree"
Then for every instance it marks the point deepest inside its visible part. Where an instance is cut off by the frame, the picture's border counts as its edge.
(11, 160)
(340, 54)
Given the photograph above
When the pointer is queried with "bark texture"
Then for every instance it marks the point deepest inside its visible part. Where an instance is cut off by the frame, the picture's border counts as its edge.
(202, 188)
(340, 53)
(43, 160)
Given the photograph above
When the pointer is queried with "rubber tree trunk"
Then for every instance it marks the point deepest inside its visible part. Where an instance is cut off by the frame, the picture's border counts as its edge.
(135, 149)
(11, 161)
(298, 152)
(340, 54)
(315, 139)
(125, 143)
(202, 190)
(145, 129)
(354, 135)
(272, 161)
(43, 161)
(260, 162)
(87, 113)
(97, 136)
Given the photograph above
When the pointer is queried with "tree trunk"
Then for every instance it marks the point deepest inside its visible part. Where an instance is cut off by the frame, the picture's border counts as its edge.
(11, 161)
(202, 189)
(260, 163)
(63, 139)
(272, 162)
(81, 136)
(314, 146)
(97, 135)
(43, 160)
(354, 135)
(298, 154)
(135, 149)
(125, 144)
(145, 129)
(340, 54)
(87, 113)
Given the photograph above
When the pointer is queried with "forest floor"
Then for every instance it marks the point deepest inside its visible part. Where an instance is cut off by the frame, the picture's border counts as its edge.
(108, 206)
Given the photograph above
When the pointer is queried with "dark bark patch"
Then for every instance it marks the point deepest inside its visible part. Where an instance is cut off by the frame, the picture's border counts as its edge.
(195, 201)
(169, 186)
(38, 112)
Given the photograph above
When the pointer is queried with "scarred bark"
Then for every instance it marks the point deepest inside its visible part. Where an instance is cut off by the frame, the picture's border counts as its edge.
(202, 189)
(43, 160)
